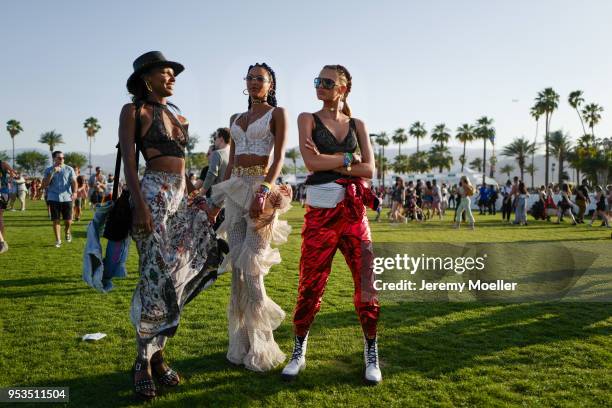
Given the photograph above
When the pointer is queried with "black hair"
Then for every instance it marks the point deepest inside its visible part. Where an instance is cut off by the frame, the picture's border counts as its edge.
(55, 153)
(140, 92)
(224, 133)
(272, 93)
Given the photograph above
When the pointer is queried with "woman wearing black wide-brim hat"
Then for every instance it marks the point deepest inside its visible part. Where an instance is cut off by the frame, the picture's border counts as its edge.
(177, 246)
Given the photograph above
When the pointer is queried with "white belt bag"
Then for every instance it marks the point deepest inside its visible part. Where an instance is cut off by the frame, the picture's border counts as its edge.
(326, 195)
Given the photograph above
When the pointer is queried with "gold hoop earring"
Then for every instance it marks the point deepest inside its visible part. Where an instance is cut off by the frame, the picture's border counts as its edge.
(245, 92)
(148, 86)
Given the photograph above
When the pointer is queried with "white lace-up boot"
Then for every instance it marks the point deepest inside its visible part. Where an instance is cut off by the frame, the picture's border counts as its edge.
(298, 359)
(372, 374)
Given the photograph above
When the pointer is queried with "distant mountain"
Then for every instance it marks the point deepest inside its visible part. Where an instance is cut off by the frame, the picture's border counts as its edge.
(107, 161)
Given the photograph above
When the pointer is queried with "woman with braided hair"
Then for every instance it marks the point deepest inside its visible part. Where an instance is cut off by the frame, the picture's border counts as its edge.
(253, 202)
(336, 198)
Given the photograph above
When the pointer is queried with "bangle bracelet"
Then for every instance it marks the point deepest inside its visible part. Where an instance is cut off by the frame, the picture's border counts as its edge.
(266, 185)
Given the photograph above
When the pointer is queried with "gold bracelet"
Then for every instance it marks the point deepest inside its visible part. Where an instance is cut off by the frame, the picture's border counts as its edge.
(266, 184)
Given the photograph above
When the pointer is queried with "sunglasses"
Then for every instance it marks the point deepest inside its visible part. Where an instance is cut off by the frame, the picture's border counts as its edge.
(258, 78)
(324, 83)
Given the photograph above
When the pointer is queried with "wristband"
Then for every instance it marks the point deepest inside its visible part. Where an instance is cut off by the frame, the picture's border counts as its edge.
(266, 187)
(348, 160)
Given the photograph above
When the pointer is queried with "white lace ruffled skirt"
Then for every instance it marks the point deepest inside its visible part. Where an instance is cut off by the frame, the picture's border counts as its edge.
(252, 315)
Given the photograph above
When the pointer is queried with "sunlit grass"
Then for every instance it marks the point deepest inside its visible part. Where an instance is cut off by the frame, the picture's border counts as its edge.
(433, 354)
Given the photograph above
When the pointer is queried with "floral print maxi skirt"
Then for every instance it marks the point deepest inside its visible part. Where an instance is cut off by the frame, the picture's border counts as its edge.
(176, 261)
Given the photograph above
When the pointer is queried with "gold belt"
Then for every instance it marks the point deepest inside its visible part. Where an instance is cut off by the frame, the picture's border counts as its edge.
(257, 170)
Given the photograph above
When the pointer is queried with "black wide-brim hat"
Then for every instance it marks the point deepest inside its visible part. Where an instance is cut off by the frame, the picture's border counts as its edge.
(151, 59)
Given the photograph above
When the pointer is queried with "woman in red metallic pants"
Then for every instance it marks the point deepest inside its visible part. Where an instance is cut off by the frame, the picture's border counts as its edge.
(336, 198)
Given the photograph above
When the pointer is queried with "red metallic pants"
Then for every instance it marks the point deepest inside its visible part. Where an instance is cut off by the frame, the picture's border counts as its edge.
(325, 230)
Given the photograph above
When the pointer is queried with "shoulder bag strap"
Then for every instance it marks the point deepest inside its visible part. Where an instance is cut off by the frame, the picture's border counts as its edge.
(137, 132)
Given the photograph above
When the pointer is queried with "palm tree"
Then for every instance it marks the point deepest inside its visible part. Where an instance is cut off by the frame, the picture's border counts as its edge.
(14, 128)
(476, 164)
(548, 99)
(399, 137)
(485, 131)
(419, 162)
(192, 142)
(536, 112)
(92, 126)
(293, 155)
(560, 145)
(591, 113)
(382, 140)
(531, 169)
(440, 157)
(520, 148)
(401, 164)
(440, 134)
(508, 168)
(575, 99)
(418, 131)
(52, 139)
(465, 133)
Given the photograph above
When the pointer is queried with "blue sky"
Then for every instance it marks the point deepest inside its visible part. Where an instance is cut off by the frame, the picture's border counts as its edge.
(437, 61)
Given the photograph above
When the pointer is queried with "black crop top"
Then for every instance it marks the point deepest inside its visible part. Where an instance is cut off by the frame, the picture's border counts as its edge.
(157, 137)
(327, 143)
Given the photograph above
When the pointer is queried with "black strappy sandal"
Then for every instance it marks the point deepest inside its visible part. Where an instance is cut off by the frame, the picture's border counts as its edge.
(162, 372)
(145, 388)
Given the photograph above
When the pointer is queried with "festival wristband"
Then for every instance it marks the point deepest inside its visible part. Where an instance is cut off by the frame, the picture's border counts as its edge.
(266, 187)
(348, 160)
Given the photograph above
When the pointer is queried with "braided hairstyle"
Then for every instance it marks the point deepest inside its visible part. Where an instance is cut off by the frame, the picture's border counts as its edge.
(345, 79)
(272, 93)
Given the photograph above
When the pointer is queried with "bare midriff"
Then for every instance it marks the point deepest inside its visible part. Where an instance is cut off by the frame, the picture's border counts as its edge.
(168, 164)
(248, 160)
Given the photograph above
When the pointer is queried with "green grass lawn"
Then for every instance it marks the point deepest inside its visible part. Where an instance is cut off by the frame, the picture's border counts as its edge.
(432, 353)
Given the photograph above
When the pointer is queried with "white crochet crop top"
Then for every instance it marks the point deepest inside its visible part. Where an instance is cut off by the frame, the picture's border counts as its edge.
(257, 140)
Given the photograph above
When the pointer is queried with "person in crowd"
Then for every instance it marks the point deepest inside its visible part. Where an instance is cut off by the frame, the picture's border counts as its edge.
(483, 199)
(492, 196)
(466, 191)
(60, 183)
(108, 189)
(445, 197)
(398, 196)
(436, 202)
(600, 209)
(97, 187)
(506, 193)
(582, 200)
(521, 204)
(82, 194)
(217, 161)
(6, 171)
(19, 192)
(550, 207)
(565, 205)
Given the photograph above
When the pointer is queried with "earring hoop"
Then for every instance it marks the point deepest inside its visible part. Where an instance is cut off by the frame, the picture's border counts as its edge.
(245, 92)
(148, 87)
